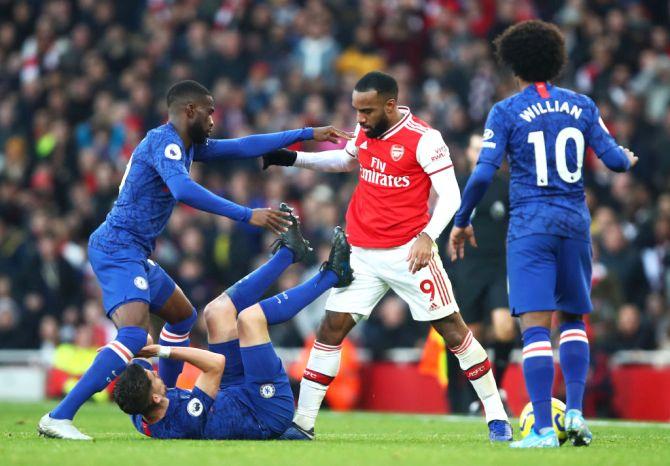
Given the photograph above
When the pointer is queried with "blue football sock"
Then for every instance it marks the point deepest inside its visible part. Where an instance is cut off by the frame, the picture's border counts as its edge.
(109, 363)
(284, 306)
(247, 291)
(538, 371)
(574, 357)
(233, 374)
(178, 334)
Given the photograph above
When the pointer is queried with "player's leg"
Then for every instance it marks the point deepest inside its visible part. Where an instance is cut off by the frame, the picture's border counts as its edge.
(532, 271)
(289, 248)
(475, 363)
(469, 279)
(265, 380)
(169, 303)
(126, 299)
(431, 298)
(265, 377)
(345, 307)
(221, 320)
(573, 299)
(221, 313)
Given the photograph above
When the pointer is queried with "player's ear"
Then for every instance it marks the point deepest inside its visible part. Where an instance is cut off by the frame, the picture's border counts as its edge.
(190, 109)
(389, 106)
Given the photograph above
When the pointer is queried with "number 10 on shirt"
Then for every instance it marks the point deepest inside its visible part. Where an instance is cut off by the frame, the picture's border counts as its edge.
(537, 139)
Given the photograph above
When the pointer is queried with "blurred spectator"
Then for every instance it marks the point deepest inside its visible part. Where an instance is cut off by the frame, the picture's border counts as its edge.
(391, 326)
(633, 331)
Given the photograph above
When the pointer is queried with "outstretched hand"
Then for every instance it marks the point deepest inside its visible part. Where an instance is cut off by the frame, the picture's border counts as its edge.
(273, 220)
(457, 240)
(330, 133)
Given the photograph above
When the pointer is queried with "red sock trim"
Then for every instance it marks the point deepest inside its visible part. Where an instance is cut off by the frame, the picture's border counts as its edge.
(317, 377)
(478, 370)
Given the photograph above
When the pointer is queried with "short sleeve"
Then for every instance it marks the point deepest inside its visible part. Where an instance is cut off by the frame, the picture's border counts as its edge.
(167, 156)
(432, 152)
(351, 147)
(496, 135)
(597, 135)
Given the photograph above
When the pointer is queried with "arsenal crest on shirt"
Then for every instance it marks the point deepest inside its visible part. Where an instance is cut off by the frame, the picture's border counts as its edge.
(397, 151)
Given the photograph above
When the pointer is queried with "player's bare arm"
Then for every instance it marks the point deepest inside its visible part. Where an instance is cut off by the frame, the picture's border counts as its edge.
(211, 364)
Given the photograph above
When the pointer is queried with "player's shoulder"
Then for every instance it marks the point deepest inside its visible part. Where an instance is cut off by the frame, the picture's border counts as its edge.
(573, 96)
(164, 140)
(421, 131)
(506, 107)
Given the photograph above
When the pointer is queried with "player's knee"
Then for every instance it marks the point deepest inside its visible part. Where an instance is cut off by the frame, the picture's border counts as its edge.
(334, 328)
(250, 320)
(218, 308)
(452, 328)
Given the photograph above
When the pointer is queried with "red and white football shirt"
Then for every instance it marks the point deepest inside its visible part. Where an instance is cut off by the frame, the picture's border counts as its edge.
(389, 206)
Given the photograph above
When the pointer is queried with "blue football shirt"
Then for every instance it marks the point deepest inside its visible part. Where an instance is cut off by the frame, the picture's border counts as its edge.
(145, 203)
(545, 130)
(185, 418)
(195, 415)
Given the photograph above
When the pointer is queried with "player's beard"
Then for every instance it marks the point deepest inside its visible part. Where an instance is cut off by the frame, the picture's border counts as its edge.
(197, 134)
(378, 129)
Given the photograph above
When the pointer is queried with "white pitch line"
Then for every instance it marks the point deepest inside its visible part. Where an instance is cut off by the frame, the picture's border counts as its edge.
(473, 419)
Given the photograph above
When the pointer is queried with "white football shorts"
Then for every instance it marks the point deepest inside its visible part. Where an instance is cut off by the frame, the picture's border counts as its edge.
(428, 292)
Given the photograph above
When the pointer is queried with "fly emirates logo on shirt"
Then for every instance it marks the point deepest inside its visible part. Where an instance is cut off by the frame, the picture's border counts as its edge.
(375, 175)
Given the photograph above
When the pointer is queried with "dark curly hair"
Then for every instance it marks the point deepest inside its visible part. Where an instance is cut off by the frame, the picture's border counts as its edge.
(132, 391)
(535, 50)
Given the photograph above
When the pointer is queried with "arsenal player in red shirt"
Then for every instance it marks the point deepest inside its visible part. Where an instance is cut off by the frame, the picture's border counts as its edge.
(393, 243)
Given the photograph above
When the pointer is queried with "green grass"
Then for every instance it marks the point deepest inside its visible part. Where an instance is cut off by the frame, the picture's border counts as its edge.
(343, 439)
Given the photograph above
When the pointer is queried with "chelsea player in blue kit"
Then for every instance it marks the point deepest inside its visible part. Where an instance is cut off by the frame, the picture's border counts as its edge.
(156, 177)
(243, 391)
(544, 130)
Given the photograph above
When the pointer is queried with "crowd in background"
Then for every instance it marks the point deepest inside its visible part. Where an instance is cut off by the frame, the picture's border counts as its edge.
(82, 81)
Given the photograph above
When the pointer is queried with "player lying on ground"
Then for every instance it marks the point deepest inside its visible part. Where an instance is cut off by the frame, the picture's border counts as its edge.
(544, 129)
(393, 237)
(157, 176)
(251, 398)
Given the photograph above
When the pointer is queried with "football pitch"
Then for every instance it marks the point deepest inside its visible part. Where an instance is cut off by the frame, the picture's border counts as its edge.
(343, 439)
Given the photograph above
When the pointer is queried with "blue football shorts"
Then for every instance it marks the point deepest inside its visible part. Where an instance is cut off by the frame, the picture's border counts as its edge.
(126, 276)
(268, 387)
(549, 273)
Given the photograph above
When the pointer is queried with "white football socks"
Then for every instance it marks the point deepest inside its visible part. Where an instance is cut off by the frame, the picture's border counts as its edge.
(475, 363)
(322, 367)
